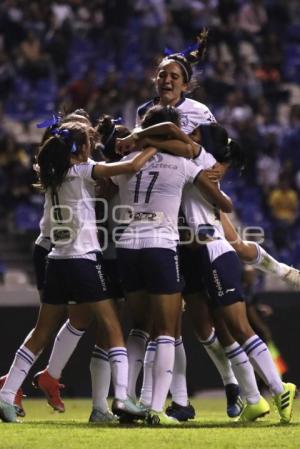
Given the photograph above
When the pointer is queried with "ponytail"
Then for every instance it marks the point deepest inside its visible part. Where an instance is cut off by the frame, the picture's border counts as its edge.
(54, 158)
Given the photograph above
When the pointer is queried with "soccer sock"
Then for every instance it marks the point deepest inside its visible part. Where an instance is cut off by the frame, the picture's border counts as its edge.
(119, 370)
(100, 376)
(263, 364)
(146, 392)
(217, 354)
(244, 372)
(178, 386)
(22, 363)
(64, 345)
(136, 345)
(266, 263)
(162, 371)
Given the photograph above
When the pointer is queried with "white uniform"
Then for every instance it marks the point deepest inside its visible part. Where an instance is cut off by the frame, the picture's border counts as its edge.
(73, 228)
(192, 113)
(151, 200)
(199, 212)
(43, 239)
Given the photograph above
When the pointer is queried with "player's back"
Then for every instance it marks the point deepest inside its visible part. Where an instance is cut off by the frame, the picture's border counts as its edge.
(151, 199)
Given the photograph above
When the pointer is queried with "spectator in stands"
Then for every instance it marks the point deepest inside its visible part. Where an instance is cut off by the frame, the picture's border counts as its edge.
(284, 205)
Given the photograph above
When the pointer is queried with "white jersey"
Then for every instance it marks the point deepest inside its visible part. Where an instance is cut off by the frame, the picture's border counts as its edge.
(192, 113)
(45, 223)
(200, 213)
(197, 210)
(73, 228)
(151, 199)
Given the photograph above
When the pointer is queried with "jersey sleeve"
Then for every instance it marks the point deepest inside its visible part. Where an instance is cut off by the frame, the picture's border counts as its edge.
(115, 180)
(84, 171)
(191, 170)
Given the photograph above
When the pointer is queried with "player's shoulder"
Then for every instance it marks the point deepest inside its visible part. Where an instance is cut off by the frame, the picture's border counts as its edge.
(195, 105)
(143, 108)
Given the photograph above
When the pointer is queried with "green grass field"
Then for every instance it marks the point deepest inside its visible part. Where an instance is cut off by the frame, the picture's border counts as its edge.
(44, 429)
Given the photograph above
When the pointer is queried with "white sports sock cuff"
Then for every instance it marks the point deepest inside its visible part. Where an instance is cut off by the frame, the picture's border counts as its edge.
(139, 333)
(73, 330)
(210, 339)
(259, 255)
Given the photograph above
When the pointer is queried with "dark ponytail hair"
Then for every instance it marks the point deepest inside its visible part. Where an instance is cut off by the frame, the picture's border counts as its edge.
(188, 57)
(215, 140)
(159, 114)
(109, 131)
(54, 157)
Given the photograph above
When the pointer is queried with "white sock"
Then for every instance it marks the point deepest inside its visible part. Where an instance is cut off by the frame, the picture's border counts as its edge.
(146, 392)
(266, 263)
(178, 386)
(64, 345)
(263, 364)
(217, 354)
(22, 363)
(244, 372)
(162, 371)
(136, 345)
(119, 370)
(100, 376)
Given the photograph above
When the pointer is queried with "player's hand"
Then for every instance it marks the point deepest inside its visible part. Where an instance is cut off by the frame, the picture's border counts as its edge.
(125, 145)
(214, 174)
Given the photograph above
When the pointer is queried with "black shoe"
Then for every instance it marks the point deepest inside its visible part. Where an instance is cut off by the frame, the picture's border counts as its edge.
(235, 404)
(181, 412)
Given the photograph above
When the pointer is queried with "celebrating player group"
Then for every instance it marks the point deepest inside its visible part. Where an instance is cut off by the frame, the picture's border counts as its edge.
(149, 223)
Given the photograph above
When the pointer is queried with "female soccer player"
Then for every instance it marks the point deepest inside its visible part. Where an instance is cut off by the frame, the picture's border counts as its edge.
(75, 273)
(220, 268)
(147, 247)
(173, 76)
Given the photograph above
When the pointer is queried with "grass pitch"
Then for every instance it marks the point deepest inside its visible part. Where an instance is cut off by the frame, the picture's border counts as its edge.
(44, 429)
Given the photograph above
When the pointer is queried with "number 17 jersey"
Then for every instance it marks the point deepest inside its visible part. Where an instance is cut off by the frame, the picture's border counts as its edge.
(150, 201)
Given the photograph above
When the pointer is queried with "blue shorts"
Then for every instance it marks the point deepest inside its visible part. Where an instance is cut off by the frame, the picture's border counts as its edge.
(39, 262)
(222, 276)
(155, 270)
(192, 270)
(75, 281)
(113, 273)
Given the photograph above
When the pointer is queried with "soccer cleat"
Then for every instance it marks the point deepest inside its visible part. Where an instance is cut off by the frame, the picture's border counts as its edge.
(18, 399)
(7, 412)
(253, 411)
(127, 410)
(284, 402)
(51, 388)
(161, 419)
(180, 412)
(97, 416)
(235, 404)
(292, 277)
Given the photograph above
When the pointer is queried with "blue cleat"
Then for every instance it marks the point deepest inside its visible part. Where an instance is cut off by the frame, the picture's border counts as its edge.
(180, 412)
(235, 404)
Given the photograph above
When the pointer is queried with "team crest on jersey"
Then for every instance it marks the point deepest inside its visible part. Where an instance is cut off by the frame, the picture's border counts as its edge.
(184, 120)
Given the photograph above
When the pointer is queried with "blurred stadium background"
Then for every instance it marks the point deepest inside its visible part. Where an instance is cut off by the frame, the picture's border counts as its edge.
(100, 55)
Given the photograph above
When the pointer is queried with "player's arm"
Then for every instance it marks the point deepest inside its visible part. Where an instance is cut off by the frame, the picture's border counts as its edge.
(167, 129)
(188, 149)
(119, 168)
(212, 193)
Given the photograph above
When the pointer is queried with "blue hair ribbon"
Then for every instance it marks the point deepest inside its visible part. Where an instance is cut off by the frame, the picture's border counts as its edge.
(74, 148)
(64, 134)
(54, 120)
(185, 52)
